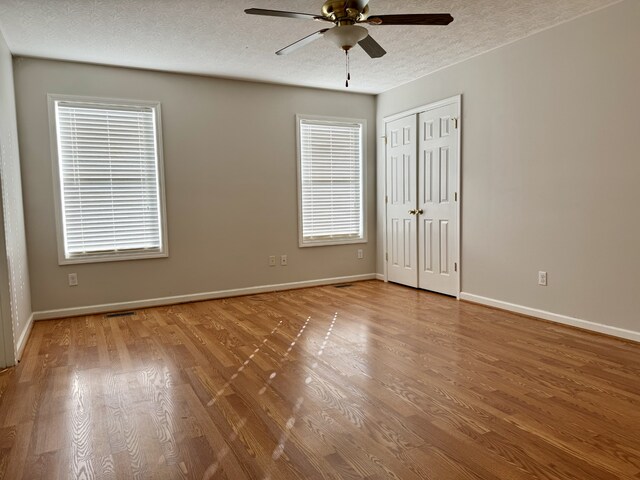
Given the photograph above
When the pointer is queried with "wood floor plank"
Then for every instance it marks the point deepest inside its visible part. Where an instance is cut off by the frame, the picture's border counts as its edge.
(373, 381)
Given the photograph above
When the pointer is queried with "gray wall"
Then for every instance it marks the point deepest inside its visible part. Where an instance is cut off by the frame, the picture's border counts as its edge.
(231, 191)
(550, 166)
(15, 299)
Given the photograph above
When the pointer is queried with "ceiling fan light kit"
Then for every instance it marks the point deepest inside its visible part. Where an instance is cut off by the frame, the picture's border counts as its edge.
(345, 14)
(346, 36)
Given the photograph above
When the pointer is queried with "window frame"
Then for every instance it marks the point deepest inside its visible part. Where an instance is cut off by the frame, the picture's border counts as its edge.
(113, 256)
(363, 180)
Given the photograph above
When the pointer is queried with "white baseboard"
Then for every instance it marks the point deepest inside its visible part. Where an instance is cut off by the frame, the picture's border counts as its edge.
(194, 297)
(380, 276)
(24, 336)
(553, 317)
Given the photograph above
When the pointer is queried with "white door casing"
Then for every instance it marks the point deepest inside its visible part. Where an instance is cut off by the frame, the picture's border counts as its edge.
(402, 251)
(423, 177)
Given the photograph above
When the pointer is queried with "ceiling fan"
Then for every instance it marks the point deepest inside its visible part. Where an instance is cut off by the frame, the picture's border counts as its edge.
(345, 15)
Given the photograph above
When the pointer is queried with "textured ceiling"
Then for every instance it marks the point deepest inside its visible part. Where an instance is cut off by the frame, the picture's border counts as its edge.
(215, 37)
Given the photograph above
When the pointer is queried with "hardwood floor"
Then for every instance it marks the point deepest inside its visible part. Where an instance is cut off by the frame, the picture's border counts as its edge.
(373, 381)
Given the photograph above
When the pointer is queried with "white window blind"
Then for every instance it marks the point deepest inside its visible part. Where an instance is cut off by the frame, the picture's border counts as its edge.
(109, 179)
(331, 181)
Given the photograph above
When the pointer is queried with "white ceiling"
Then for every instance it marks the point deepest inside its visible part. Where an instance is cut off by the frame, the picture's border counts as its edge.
(215, 37)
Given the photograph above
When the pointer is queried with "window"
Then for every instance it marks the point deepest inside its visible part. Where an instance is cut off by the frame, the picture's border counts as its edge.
(331, 180)
(109, 186)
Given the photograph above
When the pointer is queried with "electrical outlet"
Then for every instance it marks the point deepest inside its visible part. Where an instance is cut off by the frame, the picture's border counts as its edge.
(283, 260)
(73, 279)
(272, 260)
(542, 278)
(360, 253)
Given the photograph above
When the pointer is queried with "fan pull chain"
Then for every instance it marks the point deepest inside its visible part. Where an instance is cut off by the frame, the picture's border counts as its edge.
(346, 84)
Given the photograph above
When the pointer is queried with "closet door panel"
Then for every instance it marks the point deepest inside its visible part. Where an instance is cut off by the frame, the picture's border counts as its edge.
(401, 200)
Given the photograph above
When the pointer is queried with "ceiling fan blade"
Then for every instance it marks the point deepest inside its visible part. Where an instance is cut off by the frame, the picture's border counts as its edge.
(411, 19)
(373, 48)
(357, 4)
(302, 42)
(280, 13)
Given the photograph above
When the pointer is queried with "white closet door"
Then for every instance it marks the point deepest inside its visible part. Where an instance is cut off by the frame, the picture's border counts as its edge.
(438, 165)
(402, 251)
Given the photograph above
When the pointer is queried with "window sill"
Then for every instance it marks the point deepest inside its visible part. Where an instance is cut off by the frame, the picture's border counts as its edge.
(112, 257)
(327, 243)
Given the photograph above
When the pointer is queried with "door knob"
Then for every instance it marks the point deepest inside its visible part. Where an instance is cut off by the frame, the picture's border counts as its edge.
(413, 212)
(420, 211)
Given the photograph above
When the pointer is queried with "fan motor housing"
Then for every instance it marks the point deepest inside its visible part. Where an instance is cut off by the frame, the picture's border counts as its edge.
(337, 11)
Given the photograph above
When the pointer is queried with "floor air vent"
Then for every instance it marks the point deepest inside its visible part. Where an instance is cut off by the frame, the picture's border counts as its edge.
(345, 285)
(119, 314)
